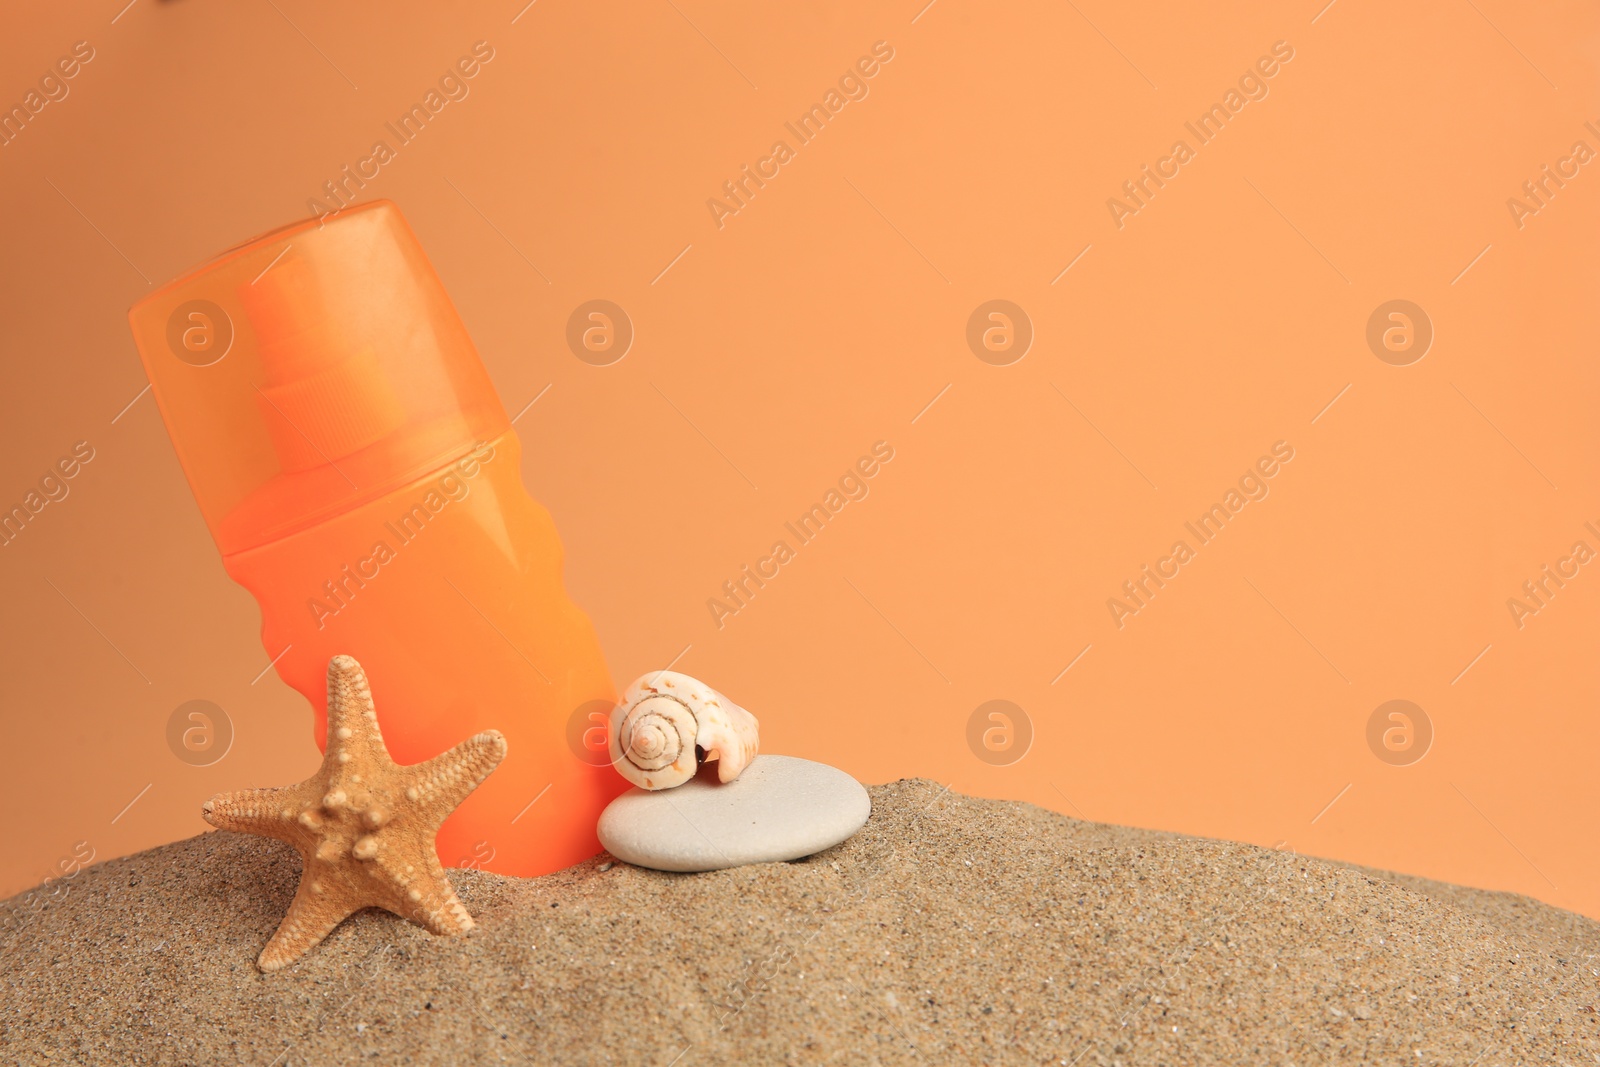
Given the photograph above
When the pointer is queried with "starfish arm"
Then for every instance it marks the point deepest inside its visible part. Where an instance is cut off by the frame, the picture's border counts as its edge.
(353, 733)
(419, 890)
(322, 902)
(256, 811)
(446, 780)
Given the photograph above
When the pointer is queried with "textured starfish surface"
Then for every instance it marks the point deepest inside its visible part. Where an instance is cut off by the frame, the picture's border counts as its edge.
(364, 825)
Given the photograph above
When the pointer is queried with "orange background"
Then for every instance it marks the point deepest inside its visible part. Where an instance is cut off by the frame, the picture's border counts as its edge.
(823, 317)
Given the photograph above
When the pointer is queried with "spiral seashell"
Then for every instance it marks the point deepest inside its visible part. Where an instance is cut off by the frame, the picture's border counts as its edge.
(668, 723)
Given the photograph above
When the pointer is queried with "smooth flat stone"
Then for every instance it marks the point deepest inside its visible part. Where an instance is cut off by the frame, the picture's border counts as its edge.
(780, 808)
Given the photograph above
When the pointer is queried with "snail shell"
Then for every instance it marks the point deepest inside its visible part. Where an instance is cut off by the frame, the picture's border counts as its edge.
(664, 717)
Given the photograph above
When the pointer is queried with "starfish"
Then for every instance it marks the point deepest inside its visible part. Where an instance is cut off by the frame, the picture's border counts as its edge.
(364, 825)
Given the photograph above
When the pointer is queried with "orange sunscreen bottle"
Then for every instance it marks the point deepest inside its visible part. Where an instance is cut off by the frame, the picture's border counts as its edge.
(362, 481)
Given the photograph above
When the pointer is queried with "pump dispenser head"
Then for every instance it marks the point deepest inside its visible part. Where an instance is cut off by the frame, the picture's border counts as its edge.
(311, 370)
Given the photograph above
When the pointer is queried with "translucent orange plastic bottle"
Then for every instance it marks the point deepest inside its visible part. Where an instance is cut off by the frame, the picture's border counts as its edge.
(361, 479)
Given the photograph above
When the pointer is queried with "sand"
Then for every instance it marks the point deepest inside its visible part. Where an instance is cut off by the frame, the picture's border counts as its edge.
(950, 930)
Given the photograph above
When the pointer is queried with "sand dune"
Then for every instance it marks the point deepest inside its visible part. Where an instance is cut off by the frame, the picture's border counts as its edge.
(950, 930)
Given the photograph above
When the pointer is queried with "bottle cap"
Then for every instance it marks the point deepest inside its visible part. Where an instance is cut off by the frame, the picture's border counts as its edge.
(311, 370)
